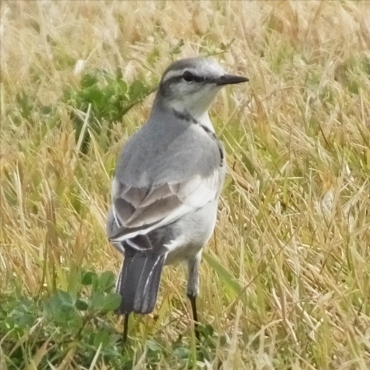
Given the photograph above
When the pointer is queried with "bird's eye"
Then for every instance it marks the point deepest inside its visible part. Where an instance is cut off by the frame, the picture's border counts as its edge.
(188, 76)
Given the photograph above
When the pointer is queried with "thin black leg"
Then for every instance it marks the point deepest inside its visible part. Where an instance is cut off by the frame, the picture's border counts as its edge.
(193, 301)
(125, 328)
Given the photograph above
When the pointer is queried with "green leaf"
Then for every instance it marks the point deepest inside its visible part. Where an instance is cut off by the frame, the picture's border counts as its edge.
(122, 86)
(206, 330)
(102, 337)
(153, 346)
(65, 298)
(62, 311)
(81, 305)
(88, 278)
(181, 352)
(103, 302)
(88, 80)
(137, 90)
(226, 277)
(107, 281)
(97, 301)
(112, 301)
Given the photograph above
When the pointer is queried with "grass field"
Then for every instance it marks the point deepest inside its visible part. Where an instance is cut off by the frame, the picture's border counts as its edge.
(285, 280)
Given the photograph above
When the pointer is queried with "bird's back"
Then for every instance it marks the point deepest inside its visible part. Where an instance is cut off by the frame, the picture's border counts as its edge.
(168, 150)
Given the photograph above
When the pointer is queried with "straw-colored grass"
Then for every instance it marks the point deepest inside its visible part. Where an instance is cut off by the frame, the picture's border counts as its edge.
(285, 282)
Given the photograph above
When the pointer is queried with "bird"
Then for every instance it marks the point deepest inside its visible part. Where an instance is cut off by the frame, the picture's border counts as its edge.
(166, 186)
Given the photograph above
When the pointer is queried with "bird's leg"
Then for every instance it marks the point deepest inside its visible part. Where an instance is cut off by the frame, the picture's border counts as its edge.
(125, 328)
(193, 300)
(193, 288)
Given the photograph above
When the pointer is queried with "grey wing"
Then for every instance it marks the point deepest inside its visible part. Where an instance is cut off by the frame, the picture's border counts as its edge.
(137, 211)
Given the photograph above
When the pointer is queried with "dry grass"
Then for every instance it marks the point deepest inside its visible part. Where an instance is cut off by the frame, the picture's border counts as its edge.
(286, 279)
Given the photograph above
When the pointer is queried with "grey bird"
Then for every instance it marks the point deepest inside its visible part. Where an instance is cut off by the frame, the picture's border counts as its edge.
(167, 184)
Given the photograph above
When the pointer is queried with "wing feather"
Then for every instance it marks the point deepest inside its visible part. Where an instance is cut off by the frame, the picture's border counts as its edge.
(141, 210)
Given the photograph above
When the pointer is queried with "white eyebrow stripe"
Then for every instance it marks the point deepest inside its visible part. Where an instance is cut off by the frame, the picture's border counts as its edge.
(176, 73)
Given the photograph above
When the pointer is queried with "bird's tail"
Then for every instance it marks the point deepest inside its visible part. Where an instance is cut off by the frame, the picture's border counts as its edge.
(138, 282)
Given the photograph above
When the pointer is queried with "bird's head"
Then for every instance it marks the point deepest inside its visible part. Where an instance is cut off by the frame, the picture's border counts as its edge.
(190, 85)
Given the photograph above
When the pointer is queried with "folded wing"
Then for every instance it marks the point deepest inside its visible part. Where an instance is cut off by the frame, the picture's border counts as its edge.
(137, 211)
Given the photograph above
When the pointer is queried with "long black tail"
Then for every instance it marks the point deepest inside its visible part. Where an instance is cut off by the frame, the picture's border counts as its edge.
(138, 282)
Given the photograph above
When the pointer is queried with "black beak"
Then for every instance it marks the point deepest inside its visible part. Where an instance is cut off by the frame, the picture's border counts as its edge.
(230, 80)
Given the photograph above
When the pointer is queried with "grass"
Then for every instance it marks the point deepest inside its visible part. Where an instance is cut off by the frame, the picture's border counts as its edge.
(285, 279)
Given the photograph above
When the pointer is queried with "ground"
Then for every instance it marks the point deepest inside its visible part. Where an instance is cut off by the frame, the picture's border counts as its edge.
(285, 280)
